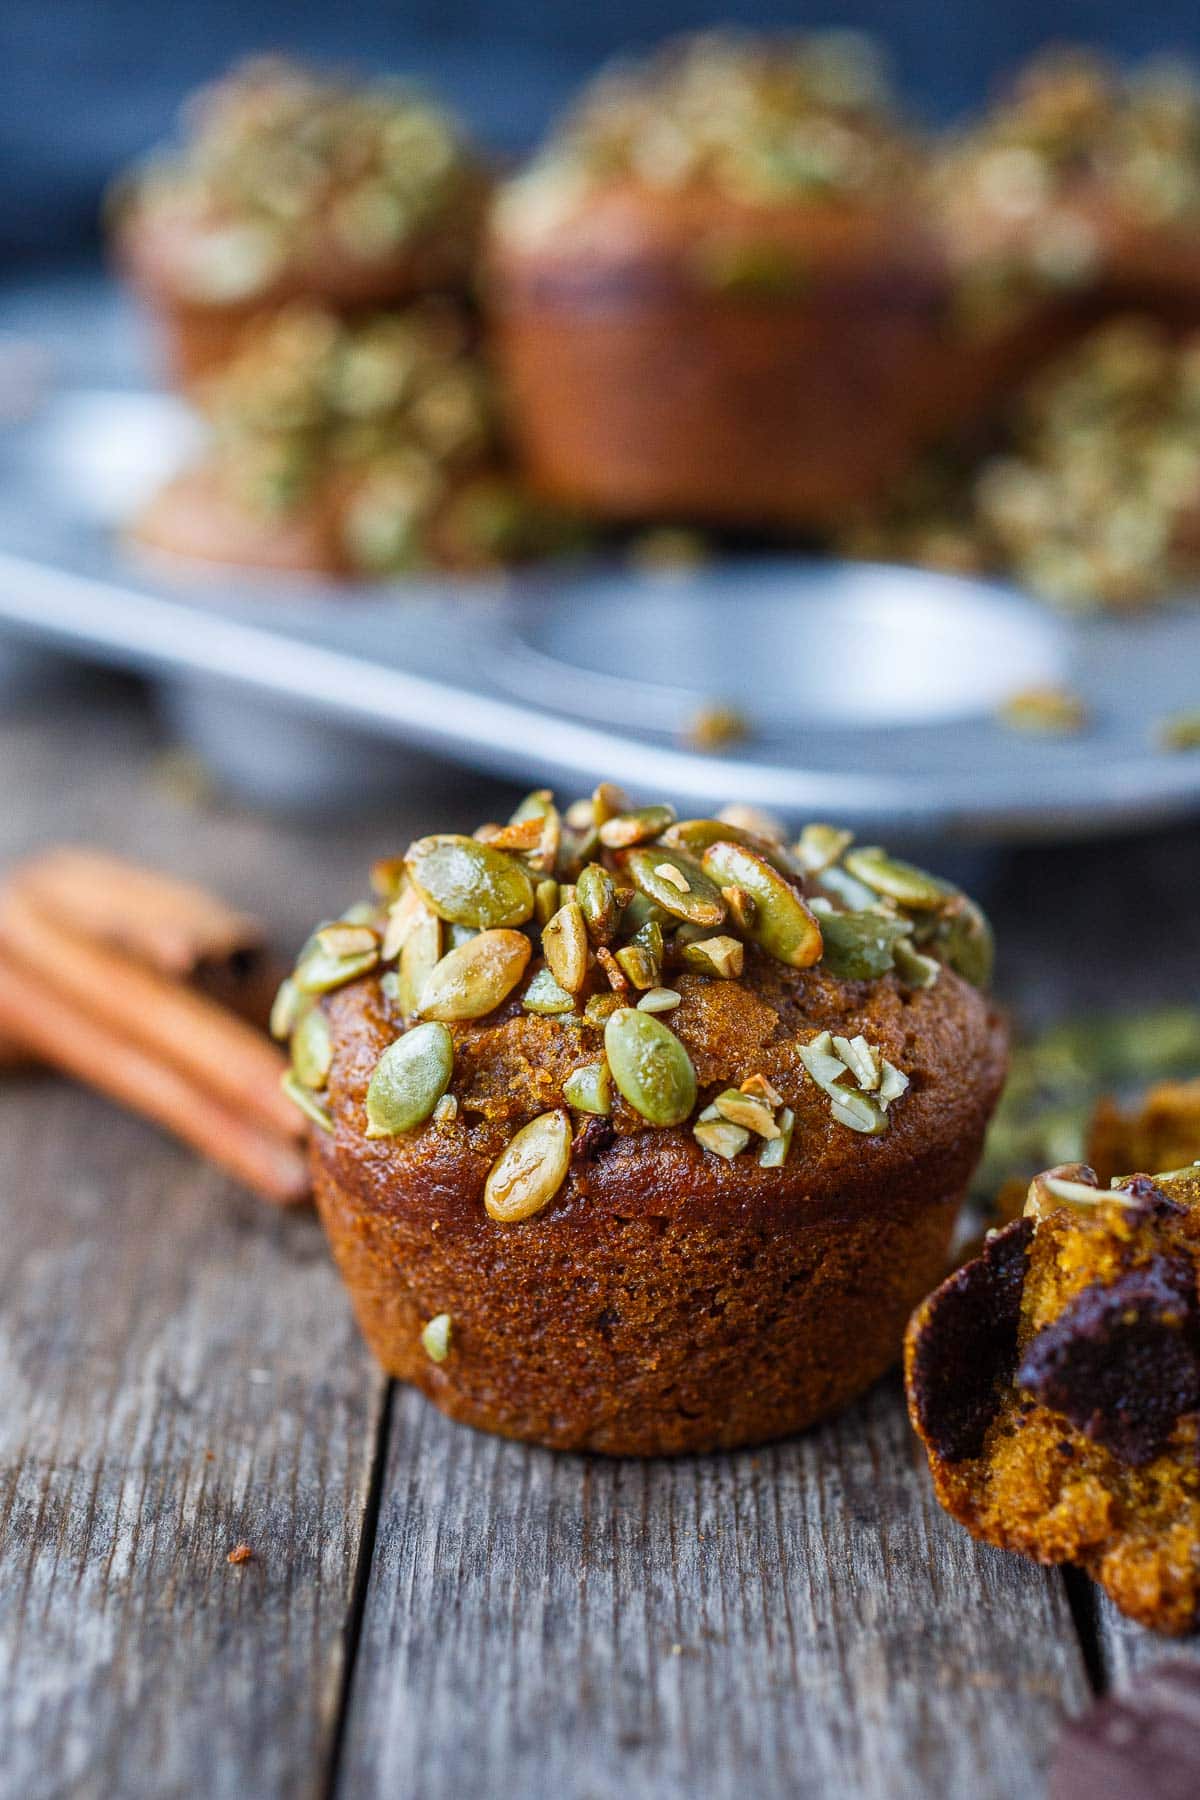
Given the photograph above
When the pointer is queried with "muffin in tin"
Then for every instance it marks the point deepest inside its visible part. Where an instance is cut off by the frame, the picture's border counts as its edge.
(642, 1135)
(352, 448)
(296, 185)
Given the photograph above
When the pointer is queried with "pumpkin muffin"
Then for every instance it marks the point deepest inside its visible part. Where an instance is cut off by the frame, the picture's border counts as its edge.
(294, 185)
(718, 294)
(641, 1135)
(364, 448)
(1055, 1383)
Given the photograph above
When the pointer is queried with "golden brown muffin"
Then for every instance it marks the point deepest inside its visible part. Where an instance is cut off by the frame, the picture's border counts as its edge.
(716, 293)
(1162, 1131)
(1055, 1383)
(652, 1134)
(293, 185)
(351, 448)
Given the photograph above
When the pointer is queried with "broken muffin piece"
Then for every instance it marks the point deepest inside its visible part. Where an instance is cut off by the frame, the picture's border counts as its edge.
(1055, 1384)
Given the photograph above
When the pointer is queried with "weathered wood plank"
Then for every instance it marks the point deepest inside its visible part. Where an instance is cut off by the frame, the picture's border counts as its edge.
(180, 1374)
(797, 1621)
(1122, 1648)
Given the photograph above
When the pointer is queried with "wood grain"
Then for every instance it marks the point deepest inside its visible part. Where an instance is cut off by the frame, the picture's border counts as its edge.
(800, 1620)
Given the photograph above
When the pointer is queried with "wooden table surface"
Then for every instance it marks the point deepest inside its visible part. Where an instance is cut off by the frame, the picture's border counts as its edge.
(430, 1612)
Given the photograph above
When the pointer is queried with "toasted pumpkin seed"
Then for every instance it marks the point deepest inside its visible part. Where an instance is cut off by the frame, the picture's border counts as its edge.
(388, 876)
(530, 1169)
(545, 996)
(319, 971)
(579, 815)
(545, 902)
(722, 1138)
(859, 1112)
(915, 969)
(473, 979)
(435, 1338)
(543, 853)
(854, 895)
(565, 946)
(755, 819)
(408, 1080)
(642, 968)
(342, 939)
(402, 915)
(722, 956)
(892, 1083)
(819, 846)
(589, 1089)
(468, 883)
(420, 956)
(744, 1109)
(776, 1151)
(760, 1088)
(860, 1058)
(783, 925)
(607, 802)
(286, 1009)
(650, 1066)
(596, 896)
(639, 827)
(743, 908)
(639, 910)
(859, 946)
(312, 1049)
(617, 978)
(900, 881)
(699, 904)
(446, 1110)
(659, 1000)
(309, 1105)
(694, 836)
(964, 937)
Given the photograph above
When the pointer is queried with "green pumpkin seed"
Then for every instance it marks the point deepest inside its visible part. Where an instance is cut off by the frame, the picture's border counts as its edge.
(312, 1049)
(819, 847)
(854, 895)
(469, 883)
(473, 979)
(650, 1066)
(408, 1080)
(607, 802)
(695, 836)
(699, 904)
(900, 881)
(643, 969)
(540, 805)
(320, 972)
(420, 956)
(308, 1104)
(964, 938)
(530, 1170)
(859, 946)
(745, 1109)
(660, 1000)
(403, 914)
(914, 969)
(640, 827)
(722, 1138)
(860, 1058)
(534, 806)
(545, 902)
(286, 1009)
(435, 1338)
(589, 1089)
(776, 1151)
(545, 996)
(892, 1083)
(722, 956)
(860, 1113)
(342, 939)
(783, 925)
(596, 895)
(639, 910)
(565, 946)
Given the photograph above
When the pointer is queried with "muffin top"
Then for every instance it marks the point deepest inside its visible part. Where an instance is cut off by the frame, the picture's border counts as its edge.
(759, 124)
(285, 174)
(666, 996)
(1072, 135)
(386, 428)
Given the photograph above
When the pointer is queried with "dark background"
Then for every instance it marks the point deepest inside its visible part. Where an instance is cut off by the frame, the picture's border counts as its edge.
(86, 84)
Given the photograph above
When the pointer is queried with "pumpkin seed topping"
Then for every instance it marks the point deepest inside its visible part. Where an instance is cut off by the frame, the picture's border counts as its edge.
(545, 996)
(468, 883)
(918, 970)
(819, 846)
(446, 1110)
(312, 1049)
(650, 1066)
(409, 1080)
(659, 1000)
(722, 956)
(754, 819)
(829, 1060)
(596, 896)
(671, 873)
(435, 1338)
(783, 925)
(320, 971)
(474, 978)
(745, 1109)
(286, 1009)
(776, 1150)
(900, 881)
(342, 940)
(589, 1089)
(627, 828)
(565, 946)
(420, 956)
(699, 903)
(530, 1169)
(721, 1137)
(308, 1103)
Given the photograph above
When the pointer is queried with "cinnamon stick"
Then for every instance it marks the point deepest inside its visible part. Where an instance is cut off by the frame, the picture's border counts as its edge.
(61, 1032)
(206, 1043)
(173, 925)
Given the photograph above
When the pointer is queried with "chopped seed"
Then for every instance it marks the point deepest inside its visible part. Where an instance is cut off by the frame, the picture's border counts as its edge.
(743, 1109)
(589, 1089)
(776, 1151)
(659, 1000)
(446, 1110)
(761, 1089)
(435, 1338)
(676, 877)
(860, 1059)
(723, 956)
(721, 1137)
(820, 846)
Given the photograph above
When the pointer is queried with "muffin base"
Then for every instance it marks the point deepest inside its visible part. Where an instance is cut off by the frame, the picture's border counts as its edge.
(671, 1336)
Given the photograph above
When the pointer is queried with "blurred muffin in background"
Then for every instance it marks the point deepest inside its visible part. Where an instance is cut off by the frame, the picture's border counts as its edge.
(715, 294)
(1088, 493)
(361, 448)
(289, 185)
(1081, 179)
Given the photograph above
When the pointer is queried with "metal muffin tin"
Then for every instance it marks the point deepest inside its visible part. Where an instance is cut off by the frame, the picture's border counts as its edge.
(870, 691)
